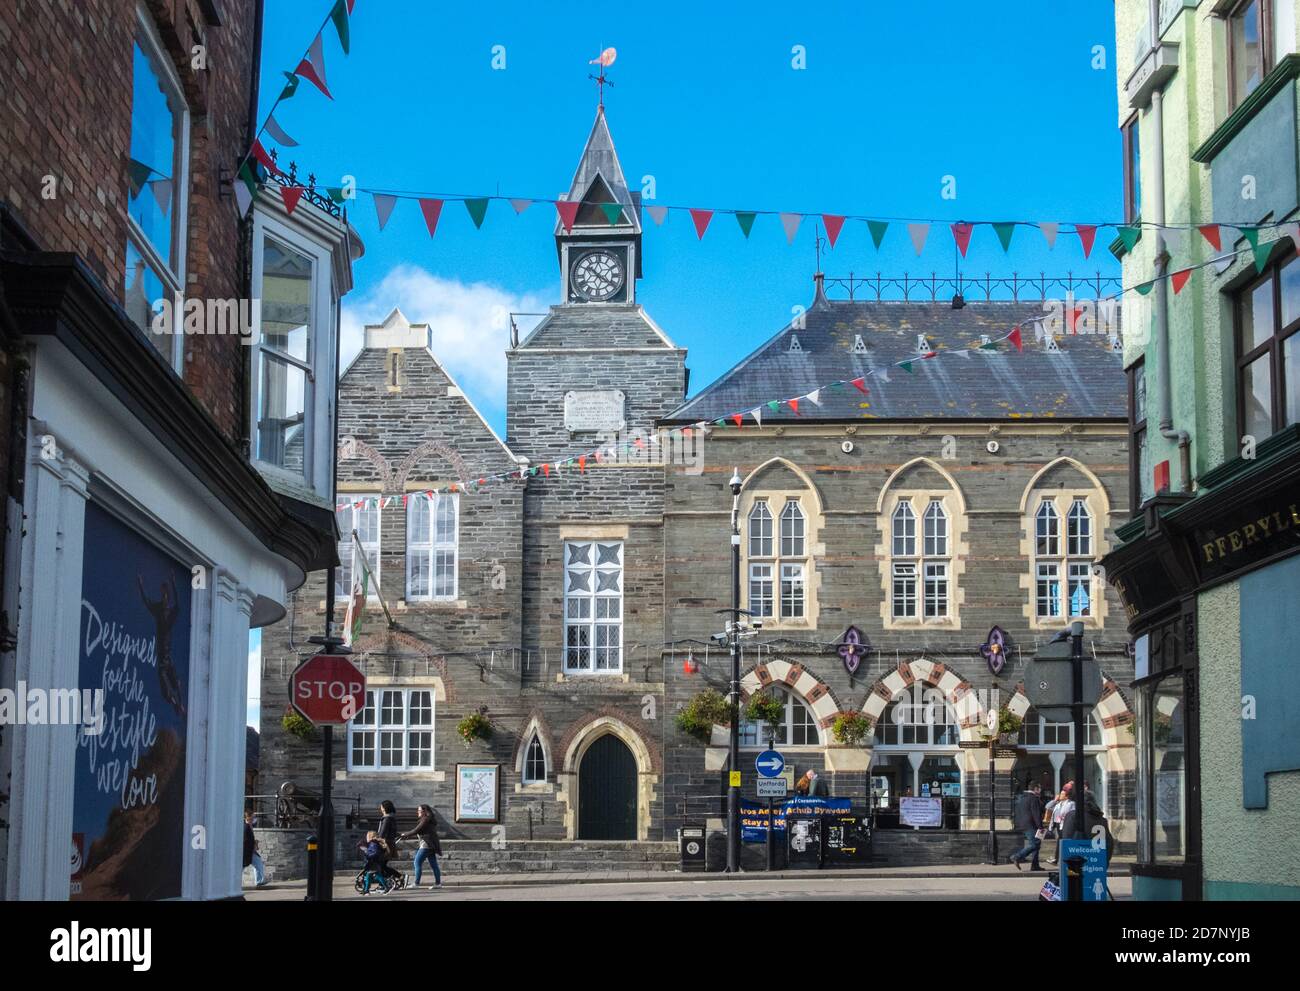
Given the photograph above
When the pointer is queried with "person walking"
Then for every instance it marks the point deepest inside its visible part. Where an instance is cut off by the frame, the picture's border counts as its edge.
(251, 857)
(1028, 818)
(1094, 821)
(817, 785)
(387, 832)
(426, 831)
(1052, 815)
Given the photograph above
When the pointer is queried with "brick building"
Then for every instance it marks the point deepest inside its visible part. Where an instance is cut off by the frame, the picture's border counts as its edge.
(155, 509)
(575, 607)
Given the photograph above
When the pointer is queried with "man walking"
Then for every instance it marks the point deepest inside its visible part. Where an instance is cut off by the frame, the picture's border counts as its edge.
(1028, 818)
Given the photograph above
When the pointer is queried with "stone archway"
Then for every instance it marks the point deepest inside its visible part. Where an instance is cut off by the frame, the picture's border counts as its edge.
(956, 691)
(576, 747)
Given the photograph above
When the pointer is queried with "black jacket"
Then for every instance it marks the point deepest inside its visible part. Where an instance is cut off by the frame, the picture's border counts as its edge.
(426, 829)
(1092, 818)
(818, 787)
(1028, 812)
(387, 831)
(250, 844)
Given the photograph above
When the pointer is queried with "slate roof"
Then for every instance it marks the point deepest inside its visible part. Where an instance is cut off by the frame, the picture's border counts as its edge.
(606, 325)
(1085, 380)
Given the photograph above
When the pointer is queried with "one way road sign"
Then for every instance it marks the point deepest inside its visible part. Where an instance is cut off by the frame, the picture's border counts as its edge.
(770, 764)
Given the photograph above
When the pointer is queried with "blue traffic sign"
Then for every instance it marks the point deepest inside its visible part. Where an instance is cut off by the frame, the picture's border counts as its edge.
(1094, 869)
(770, 764)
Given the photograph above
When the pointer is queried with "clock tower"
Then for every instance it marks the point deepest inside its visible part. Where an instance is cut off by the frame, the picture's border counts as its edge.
(600, 252)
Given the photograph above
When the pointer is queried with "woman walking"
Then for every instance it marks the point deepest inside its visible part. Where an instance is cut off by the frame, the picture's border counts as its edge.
(426, 831)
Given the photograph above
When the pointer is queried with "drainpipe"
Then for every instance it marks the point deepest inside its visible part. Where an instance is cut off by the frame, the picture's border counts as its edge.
(1164, 391)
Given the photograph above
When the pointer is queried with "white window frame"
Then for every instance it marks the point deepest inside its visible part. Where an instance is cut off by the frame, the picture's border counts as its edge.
(753, 736)
(433, 546)
(173, 279)
(343, 586)
(778, 565)
(924, 712)
(318, 427)
(592, 622)
(920, 564)
(371, 720)
(1063, 555)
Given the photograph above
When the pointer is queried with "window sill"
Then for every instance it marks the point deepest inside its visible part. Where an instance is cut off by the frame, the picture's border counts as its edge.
(535, 788)
(358, 775)
(1281, 74)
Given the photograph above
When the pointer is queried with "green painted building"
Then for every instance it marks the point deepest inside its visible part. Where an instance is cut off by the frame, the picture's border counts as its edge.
(1209, 566)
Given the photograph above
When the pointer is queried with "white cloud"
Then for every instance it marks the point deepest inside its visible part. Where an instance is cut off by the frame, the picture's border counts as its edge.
(470, 324)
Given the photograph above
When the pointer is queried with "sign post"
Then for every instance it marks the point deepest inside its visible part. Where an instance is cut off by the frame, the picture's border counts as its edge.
(771, 784)
(329, 690)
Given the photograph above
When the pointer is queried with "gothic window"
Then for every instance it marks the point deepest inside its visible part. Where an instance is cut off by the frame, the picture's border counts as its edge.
(920, 586)
(1063, 580)
(778, 561)
(534, 762)
(393, 731)
(593, 607)
(432, 537)
(361, 515)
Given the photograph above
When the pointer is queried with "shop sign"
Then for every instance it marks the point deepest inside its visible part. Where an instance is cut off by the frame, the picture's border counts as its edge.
(1251, 533)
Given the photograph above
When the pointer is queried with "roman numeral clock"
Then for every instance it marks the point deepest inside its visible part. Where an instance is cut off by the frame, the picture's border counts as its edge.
(598, 275)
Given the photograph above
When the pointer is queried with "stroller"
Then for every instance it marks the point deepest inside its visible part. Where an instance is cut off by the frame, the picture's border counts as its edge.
(372, 876)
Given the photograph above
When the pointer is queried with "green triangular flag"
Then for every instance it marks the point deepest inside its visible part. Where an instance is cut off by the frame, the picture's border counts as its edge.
(1004, 232)
(1261, 251)
(877, 228)
(837, 386)
(248, 177)
(1144, 288)
(1129, 235)
(906, 366)
(477, 209)
(721, 423)
(290, 87)
(774, 405)
(339, 15)
(140, 174)
(990, 346)
(746, 221)
(613, 212)
(336, 193)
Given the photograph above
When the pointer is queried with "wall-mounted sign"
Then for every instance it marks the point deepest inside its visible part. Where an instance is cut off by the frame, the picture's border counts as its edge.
(594, 410)
(1251, 532)
(128, 803)
(477, 790)
(852, 649)
(920, 811)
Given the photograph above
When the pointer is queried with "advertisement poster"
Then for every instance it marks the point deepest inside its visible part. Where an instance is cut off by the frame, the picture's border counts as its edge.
(753, 816)
(128, 809)
(920, 811)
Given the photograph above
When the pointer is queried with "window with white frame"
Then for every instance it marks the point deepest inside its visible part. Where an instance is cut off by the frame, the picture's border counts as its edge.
(432, 536)
(1038, 731)
(1063, 580)
(920, 570)
(798, 728)
(919, 717)
(593, 606)
(534, 762)
(393, 732)
(778, 563)
(158, 178)
(363, 515)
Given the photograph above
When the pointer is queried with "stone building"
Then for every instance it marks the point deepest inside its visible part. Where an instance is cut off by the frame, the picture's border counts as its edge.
(579, 589)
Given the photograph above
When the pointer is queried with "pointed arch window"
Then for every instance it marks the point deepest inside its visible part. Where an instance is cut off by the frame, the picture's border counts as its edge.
(778, 561)
(1063, 581)
(920, 584)
(534, 762)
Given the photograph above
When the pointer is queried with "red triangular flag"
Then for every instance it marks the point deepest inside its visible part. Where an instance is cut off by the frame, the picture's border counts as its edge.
(312, 68)
(291, 196)
(1074, 319)
(546, 470)
(582, 463)
(701, 219)
(568, 211)
(794, 405)
(260, 153)
(1179, 279)
(1014, 338)
(861, 386)
(961, 234)
(1211, 233)
(1086, 233)
(833, 224)
(736, 418)
(431, 209)
(351, 4)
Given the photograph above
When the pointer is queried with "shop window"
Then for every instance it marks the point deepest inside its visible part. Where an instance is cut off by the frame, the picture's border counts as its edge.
(1162, 763)
(921, 717)
(393, 731)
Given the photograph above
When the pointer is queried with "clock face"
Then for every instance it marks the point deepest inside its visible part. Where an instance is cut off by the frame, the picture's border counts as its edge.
(597, 276)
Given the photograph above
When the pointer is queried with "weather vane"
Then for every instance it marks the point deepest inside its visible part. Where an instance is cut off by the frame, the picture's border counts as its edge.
(605, 59)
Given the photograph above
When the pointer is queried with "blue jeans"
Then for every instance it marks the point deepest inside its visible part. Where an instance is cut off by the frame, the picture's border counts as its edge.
(259, 870)
(423, 854)
(1032, 843)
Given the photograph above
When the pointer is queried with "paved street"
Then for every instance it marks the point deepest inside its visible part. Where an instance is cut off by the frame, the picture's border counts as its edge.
(895, 885)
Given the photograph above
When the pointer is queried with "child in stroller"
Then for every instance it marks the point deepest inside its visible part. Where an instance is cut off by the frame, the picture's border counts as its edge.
(375, 853)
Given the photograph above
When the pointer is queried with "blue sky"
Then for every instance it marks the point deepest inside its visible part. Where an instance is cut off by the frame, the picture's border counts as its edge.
(893, 99)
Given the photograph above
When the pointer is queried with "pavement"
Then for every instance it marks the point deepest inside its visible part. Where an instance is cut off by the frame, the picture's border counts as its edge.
(979, 881)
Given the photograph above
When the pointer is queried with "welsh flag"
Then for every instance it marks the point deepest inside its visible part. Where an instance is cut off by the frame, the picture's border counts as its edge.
(356, 612)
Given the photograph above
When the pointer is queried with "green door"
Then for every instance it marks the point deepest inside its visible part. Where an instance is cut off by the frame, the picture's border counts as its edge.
(607, 791)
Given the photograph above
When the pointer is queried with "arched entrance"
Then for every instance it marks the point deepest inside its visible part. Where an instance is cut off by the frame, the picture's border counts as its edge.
(607, 791)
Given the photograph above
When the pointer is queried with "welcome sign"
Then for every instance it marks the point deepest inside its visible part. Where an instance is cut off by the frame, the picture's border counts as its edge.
(128, 809)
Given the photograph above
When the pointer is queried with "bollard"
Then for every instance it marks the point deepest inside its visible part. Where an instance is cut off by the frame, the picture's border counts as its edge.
(1074, 877)
(311, 869)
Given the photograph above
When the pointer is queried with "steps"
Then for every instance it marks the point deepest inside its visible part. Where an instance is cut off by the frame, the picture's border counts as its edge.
(529, 856)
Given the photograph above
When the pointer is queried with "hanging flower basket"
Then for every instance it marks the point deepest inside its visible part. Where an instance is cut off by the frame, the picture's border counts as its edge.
(705, 710)
(475, 726)
(295, 724)
(850, 728)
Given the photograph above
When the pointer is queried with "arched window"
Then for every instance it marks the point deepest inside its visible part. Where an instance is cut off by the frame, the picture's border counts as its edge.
(799, 728)
(918, 718)
(534, 762)
(778, 567)
(926, 573)
(1063, 583)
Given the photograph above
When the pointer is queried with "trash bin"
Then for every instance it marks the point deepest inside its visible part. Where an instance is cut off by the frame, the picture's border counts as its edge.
(690, 847)
(804, 842)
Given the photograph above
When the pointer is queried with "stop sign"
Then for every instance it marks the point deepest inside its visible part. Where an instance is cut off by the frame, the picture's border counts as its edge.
(327, 688)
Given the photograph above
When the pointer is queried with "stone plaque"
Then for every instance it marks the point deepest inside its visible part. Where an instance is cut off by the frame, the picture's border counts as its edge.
(597, 410)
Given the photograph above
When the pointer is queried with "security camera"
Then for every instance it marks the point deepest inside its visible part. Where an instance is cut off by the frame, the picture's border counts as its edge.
(735, 481)
(719, 638)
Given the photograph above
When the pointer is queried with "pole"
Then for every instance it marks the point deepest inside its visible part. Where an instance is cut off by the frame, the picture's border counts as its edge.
(993, 802)
(325, 832)
(1080, 720)
(733, 763)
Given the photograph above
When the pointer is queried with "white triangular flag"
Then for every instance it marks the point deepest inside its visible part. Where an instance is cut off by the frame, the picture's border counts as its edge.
(1175, 240)
(882, 374)
(964, 352)
(814, 397)
(276, 131)
(657, 214)
(757, 414)
(520, 205)
(243, 197)
(384, 207)
(1049, 230)
(791, 221)
(918, 232)
(162, 193)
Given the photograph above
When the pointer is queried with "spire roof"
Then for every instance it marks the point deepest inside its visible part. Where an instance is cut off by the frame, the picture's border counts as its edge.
(599, 179)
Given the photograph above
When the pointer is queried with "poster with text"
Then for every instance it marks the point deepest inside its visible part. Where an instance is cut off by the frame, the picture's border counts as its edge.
(128, 808)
